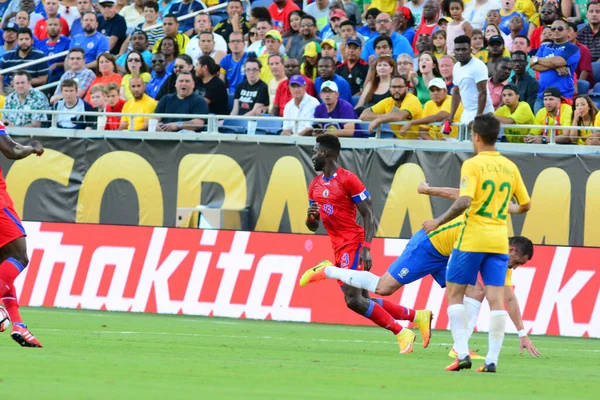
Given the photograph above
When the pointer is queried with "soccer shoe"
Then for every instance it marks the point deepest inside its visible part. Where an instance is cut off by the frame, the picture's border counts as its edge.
(487, 368)
(459, 364)
(24, 337)
(406, 340)
(315, 274)
(472, 354)
(423, 320)
(4, 319)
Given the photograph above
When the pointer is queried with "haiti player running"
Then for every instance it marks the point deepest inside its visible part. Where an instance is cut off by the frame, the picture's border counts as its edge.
(13, 247)
(334, 197)
(488, 183)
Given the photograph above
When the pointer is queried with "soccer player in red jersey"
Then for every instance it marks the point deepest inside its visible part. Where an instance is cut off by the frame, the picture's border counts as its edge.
(13, 247)
(334, 197)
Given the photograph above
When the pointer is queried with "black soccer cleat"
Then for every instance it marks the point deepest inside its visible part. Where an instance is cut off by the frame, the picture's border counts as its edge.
(491, 367)
(458, 364)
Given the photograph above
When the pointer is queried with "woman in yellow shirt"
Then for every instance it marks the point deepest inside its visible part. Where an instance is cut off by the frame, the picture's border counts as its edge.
(585, 113)
(135, 66)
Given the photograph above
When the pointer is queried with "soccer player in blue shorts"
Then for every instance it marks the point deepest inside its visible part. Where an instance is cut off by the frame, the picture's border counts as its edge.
(488, 183)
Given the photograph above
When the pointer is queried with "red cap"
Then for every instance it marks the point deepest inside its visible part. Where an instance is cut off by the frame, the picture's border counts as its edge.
(337, 13)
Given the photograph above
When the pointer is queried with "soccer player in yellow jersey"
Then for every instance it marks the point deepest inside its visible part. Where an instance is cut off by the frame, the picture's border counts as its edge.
(488, 183)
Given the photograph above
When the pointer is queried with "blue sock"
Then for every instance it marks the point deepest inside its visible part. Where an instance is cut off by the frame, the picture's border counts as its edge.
(20, 325)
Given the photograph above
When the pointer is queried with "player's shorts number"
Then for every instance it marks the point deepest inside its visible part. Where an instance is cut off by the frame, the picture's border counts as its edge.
(504, 187)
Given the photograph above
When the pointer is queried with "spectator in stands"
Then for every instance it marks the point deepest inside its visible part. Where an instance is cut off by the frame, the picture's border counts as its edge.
(159, 75)
(588, 35)
(275, 63)
(521, 43)
(405, 64)
(496, 53)
(91, 40)
(336, 17)
(514, 112)
(140, 103)
(134, 13)
(498, 80)
(385, 28)
(424, 43)
(139, 43)
(527, 86)
(260, 46)
(273, 42)
(554, 113)
(75, 105)
(347, 31)
(77, 72)
(252, 95)
(203, 23)
(184, 101)
(98, 103)
(293, 33)
(207, 46)
(183, 63)
(26, 98)
(259, 13)
(475, 11)
(169, 48)
(428, 70)
(283, 94)
(151, 18)
(107, 72)
(326, 68)
(405, 23)
(232, 72)
(54, 43)
(114, 105)
(556, 63)
(83, 6)
(171, 30)
(436, 110)
(112, 25)
(24, 54)
(134, 66)
(210, 87)
(548, 14)
(354, 70)
(431, 13)
(377, 86)
(308, 30)
(280, 11)
(584, 69)
(301, 105)
(370, 28)
(401, 106)
(333, 107)
(41, 26)
(183, 8)
(235, 22)
(311, 57)
(319, 9)
(470, 83)
(329, 49)
(10, 38)
(507, 11)
(440, 47)
(476, 41)
(584, 114)
(446, 66)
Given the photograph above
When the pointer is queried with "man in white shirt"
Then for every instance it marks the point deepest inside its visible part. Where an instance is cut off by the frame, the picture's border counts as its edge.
(203, 23)
(470, 77)
(476, 11)
(301, 105)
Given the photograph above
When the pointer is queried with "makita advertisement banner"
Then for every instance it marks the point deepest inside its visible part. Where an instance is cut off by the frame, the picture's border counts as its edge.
(255, 275)
(135, 182)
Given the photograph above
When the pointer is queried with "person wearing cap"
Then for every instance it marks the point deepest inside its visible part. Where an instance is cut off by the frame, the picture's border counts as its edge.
(10, 38)
(336, 17)
(496, 52)
(302, 105)
(51, 10)
(139, 43)
(93, 42)
(54, 43)
(252, 95)
(133, 13)
(405, 23)
(112, 25)
(308, 30)
(333, 107)
(280, 12)
(385, 28)
(319, 9)
(554, 113)
(443, 23)
(431, 12)
(556, 63)
(498, 80)
(354, 70)
(329, 49)
(326, 68)
(283, 94)
(273, 41)
(436, 110)
(401, 106)
(185, 7)
(370, 28)
(527, 86)
(514, 112)
(311, 57)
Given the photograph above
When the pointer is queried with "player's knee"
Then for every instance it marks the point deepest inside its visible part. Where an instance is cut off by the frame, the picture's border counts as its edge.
(353, 302)
(22, 259)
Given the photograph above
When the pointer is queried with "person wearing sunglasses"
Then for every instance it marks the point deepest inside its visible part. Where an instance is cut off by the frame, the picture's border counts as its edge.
(183, 63)
(548, 14)
(159, 74)
(556, 62)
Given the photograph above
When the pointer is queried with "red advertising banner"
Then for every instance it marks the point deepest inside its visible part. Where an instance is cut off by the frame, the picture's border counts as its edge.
(255, 275)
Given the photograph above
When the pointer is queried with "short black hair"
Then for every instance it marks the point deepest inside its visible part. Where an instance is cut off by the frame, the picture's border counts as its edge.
(253, 60)
(330, 142)
(373, 12)
(525, 37)
(383, 39)
(171, 15)
(348, 22)
(462, 39)
(151, 4)
(25, 31)
(328, 59)
(398, 76)
(260, 13)
(487, 127)
(522, 244)
(308, 16)
(518, 53)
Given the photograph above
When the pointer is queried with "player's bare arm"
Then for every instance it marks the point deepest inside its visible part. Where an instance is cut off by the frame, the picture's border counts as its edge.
(514, 208)
(15, 151)
(312, 217)
(514, 312)
(365, 208)
(445, 192)
(458, 208)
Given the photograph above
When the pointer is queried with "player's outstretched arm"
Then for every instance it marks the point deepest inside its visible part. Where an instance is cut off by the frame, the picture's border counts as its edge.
(514, 312)
(445, 192)
(15, 151)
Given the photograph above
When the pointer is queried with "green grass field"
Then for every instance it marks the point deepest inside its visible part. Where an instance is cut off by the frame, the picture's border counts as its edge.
(107, 355)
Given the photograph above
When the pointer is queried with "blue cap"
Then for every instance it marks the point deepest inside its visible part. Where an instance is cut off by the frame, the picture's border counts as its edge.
(298, 80)
(354, 40)
(11, 26)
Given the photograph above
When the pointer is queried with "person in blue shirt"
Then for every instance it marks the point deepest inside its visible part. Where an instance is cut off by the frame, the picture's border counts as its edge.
(385, 28)
(370, 29)
(159, 74)
(233, 63)
(83, 6)
(53, 44)
(556, 62)
(405, 23)
(93, 42)
(326, 70)
(185, 7)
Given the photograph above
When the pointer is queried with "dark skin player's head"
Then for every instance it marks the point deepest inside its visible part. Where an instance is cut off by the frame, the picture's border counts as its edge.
(325, 153)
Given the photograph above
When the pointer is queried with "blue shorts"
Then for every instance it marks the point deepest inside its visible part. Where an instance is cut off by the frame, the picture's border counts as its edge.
(419, 259)
(464, 266)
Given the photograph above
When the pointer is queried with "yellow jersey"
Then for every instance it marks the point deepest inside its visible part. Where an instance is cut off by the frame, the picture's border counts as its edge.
(565, 117)
(525, 7)
(522, 116)
(386, 6)
(431, 108)
(410, 104)
(491, 181)
(444, 237)
(146, 105)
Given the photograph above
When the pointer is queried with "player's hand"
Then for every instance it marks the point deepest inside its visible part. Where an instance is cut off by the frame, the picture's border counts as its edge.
(313, 212)
(430, 225)
(37, 148)
(423, 188)
(365, 258)
(525, 343)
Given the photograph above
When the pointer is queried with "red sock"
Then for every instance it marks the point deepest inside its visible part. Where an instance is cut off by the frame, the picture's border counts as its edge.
(397, 311)
(381, 317)
(11, 305)
(9, 270)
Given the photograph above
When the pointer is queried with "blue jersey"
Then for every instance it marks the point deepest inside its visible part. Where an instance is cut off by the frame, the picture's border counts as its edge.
(92, 45)
(62, 44)
(505, 19)
(400, 46)
(234, 71)
(566, 84)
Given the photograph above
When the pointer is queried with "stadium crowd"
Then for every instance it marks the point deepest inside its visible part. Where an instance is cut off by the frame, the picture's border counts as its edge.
(530, 62)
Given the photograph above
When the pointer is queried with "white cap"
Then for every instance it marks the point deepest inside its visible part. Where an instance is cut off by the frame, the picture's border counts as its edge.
(438, 83)
(331, 85)
(107, 1)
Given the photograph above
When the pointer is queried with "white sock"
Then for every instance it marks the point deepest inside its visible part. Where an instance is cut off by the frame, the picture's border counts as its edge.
(496, 335)
(472, 307)
(357, 279)
(457, 314)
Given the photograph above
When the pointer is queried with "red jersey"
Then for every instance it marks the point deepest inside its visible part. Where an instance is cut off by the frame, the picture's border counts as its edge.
(112, 121)
(337, 197)
(5, 200)
(281, 18)
(283, 94)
